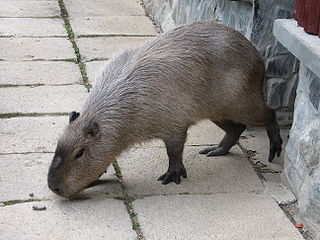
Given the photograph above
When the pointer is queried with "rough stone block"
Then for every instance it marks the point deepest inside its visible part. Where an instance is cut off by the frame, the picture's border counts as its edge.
(103, 48)
(279, 49)
(290, 92)
(36, 49)
(49, 99)
(39, 72)
(112, 26)
(21, 27)
(276, 88)
(220, 216)
(29, 9)
(85, 8)
(97, 218)
(284, 117)
(280, 66)
(25, 174)
(314, 90)
(231, 173)
(31, 134)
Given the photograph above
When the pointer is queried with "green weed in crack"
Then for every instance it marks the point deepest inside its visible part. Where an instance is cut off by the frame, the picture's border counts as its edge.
(127, 200)
(117, 170)
(71, 36)
(12, 202)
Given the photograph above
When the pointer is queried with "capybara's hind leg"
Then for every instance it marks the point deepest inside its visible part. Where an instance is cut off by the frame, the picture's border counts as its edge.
(174, 146)
(274, 137)
(233, 132)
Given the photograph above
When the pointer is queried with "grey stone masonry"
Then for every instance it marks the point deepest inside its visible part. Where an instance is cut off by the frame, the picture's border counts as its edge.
(254, 19)
(302, 154)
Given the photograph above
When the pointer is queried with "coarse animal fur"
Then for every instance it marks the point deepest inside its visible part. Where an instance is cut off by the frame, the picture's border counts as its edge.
(158, 90)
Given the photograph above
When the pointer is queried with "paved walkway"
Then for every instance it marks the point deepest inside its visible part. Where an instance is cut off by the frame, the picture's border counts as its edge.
(50, 53)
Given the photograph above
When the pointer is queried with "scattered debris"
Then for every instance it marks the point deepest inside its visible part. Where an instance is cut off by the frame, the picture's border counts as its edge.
(298, 225)
(243, 137)
(291, 211)
(39, 207)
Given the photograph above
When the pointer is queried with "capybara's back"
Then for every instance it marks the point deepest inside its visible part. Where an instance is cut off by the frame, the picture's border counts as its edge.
(199, 71)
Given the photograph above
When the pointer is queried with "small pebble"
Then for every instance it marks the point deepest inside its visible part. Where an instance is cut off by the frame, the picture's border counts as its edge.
(39, 207)
(31, 194)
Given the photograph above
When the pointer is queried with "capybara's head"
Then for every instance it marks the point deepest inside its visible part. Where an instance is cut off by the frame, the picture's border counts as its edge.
(77, 160)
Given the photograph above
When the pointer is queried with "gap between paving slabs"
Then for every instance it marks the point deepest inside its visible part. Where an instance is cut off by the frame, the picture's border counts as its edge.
(82, 66)
(127, 200)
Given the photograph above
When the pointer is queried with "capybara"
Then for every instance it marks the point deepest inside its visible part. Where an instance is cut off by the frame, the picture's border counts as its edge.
(157, 91)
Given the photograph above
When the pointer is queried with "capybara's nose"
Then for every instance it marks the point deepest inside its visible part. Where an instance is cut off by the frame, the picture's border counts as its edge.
(57, 190)
(54, 186)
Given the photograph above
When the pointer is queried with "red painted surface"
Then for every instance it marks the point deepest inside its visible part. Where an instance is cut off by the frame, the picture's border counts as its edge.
(307, 14)
(319, 29)
(298, 11)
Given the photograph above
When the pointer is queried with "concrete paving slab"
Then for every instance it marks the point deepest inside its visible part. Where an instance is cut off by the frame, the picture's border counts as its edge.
(50, 99)
(257, 140)
(204, 133)
(112, 26)
(29, 9)
(31, 134)
(103, 48)
(86, 8)
(39, 72)
(25, 174)
(141, 167)
(98, 218)
(21, 27)
(36, 49)
(218, 216)
(94, 68)
(280, 193)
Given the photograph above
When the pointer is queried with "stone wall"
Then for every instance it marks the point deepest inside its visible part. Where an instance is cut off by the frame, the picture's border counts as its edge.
(254, 19)
(302, 165)
(302, 154)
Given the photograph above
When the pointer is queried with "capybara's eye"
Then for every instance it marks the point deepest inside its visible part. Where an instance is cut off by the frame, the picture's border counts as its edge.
(79, 153)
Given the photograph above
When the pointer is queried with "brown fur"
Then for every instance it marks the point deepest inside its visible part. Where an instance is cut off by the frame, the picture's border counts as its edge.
(199, 71)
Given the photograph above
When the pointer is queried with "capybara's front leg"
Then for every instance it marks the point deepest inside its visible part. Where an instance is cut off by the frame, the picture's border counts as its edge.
(175, 145)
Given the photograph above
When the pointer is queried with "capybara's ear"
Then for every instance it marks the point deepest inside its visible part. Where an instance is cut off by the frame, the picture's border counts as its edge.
(73, 116)
(92, 130)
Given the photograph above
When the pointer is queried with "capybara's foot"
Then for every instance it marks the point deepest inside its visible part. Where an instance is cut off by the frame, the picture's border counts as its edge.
(275, 148)
(215, 151)
(274, 136)
(173, 175)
